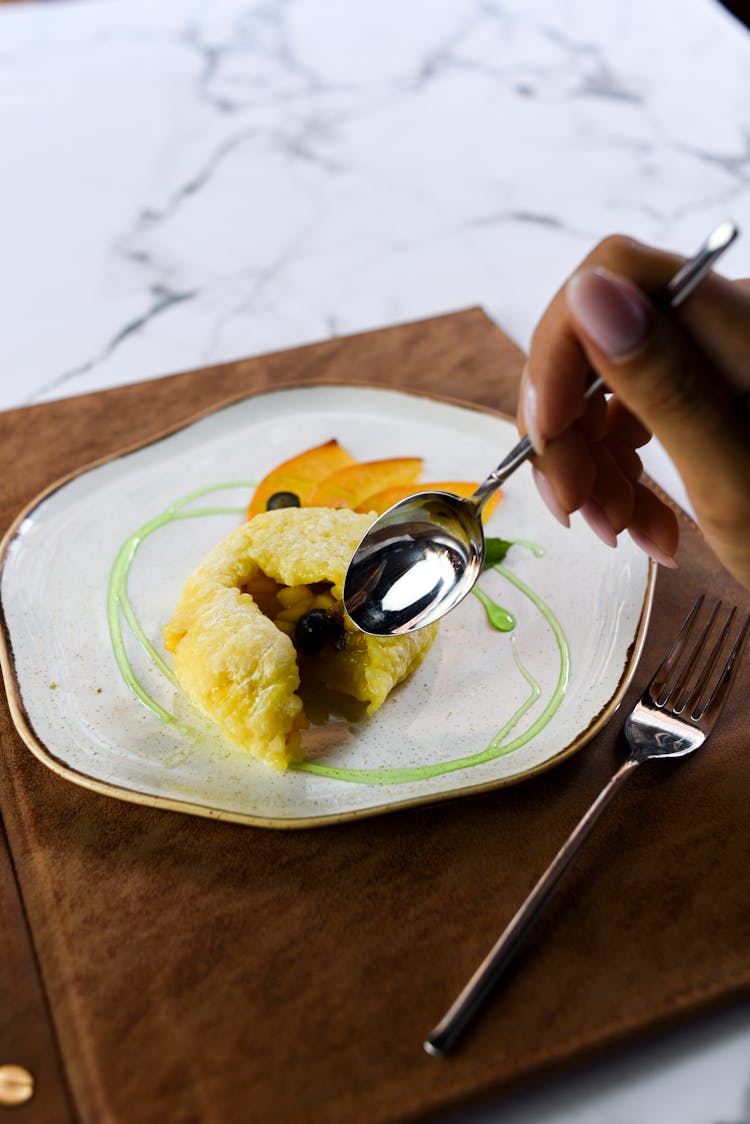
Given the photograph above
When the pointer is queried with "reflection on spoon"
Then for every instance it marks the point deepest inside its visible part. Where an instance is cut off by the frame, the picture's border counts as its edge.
(424, 555)
(416, 562)
(415, 557)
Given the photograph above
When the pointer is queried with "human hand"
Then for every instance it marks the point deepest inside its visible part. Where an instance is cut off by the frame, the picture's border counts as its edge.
(682, 375)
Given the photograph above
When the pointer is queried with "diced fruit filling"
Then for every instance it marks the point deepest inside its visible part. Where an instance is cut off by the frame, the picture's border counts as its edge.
(309, 614)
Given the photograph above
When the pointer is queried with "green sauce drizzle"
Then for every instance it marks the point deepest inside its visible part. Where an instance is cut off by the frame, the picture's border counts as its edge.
(501, 619)
(120, 608)
(498, 747)
(496, 550)
(118, 599)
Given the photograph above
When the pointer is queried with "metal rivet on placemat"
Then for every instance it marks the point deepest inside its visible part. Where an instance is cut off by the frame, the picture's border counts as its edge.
(16, 1085)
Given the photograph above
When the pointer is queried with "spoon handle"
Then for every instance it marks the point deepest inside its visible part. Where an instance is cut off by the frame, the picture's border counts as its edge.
(676, 291)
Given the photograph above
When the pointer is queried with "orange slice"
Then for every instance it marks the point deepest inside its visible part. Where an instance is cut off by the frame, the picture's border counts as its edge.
(348, 486)
(300, 474)
(381, 501)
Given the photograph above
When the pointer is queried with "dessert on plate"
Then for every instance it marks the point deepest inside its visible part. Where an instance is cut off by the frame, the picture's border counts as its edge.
(261, 618)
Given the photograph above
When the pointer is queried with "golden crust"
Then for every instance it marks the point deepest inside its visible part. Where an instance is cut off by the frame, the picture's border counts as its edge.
(239, 668)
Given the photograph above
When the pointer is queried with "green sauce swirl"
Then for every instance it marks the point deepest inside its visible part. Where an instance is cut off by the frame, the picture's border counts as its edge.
(118, 599)
(498, 747)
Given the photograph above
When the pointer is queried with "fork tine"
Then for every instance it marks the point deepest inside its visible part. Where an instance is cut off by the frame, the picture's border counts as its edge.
(692, 696)
(680, 692)
(718, 696)
(664, 670)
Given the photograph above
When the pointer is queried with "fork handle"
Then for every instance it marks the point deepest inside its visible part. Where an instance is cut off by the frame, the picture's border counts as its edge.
(442, 1039)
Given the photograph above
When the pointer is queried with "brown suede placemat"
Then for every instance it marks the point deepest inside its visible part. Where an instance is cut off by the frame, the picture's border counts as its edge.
(199, 971)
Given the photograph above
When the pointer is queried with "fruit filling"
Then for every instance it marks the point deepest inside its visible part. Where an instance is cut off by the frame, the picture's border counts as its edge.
(308, 614)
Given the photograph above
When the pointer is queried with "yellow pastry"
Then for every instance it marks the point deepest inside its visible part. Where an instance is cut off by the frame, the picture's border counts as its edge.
(262, 611)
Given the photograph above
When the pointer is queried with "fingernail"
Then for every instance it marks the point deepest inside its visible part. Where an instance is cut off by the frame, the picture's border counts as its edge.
(653, 550)
(598, 522)
(546, 491)
(610, 310)
(531, 415)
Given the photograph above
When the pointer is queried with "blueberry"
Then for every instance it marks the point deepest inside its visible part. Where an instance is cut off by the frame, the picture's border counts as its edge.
(312, 631)
(282, 499)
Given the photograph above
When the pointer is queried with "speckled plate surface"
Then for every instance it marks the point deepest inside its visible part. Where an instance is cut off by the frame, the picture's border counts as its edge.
(92, 571)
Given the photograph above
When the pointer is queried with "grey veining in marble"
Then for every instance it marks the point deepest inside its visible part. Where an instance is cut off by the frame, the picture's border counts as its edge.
(257, 175)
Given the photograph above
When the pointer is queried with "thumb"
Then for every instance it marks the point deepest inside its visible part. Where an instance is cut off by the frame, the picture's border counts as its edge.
(663, 378)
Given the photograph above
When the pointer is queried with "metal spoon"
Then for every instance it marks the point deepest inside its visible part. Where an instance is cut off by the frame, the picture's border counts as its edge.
(422, 557)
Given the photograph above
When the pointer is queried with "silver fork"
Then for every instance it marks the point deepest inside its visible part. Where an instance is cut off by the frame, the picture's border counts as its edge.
(675, 715)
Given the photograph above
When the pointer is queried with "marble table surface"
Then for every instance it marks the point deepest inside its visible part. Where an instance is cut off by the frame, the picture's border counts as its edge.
(185, 183)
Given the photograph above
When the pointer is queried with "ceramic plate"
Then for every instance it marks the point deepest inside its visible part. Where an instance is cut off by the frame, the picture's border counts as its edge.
(92, 571)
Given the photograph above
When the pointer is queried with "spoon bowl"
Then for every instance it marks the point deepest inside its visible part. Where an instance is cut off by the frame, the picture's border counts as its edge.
(422, 557)
(416, 562)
